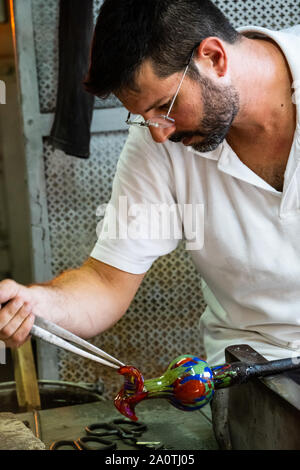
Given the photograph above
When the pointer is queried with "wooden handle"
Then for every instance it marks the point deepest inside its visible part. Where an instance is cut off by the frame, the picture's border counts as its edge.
(28, 394)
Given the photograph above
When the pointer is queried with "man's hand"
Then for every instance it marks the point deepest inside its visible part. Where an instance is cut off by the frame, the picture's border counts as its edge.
(16, 314)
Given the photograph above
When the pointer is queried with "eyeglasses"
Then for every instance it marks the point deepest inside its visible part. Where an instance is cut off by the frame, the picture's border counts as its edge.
(163, 121)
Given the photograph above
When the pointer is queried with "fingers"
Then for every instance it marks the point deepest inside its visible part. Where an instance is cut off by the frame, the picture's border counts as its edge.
(22, 333)
(7, 313)
(12, 316)
(8, 290)
(16, 318)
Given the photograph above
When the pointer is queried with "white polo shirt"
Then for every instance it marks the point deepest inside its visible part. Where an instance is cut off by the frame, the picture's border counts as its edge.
(250, 258)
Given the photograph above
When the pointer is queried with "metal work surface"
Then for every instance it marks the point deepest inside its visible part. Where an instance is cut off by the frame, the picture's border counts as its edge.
(263, 414)
(175, 429)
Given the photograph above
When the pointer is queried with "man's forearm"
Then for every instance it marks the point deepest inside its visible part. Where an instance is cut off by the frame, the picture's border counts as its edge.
(86, 301)
(82, 301)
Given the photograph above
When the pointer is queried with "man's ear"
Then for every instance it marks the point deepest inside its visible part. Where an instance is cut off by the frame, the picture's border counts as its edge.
(211, 57)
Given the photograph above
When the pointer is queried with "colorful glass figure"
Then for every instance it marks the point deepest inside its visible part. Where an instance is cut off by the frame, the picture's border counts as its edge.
(189, 382)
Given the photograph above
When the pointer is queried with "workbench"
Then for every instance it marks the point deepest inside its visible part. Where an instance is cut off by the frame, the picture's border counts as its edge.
(178, 430)
(259, 415)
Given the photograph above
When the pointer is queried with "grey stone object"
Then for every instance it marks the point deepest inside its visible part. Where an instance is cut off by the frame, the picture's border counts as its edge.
(14, 435)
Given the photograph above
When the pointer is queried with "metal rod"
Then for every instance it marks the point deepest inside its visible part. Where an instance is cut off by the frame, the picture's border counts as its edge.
(53, 339)
(240, 372)
(67, 335)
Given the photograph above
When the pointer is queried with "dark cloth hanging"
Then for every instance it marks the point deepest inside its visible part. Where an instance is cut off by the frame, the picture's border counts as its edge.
(74, 107)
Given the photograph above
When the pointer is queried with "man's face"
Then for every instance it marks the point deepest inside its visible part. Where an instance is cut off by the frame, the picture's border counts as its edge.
(219, 106)
(203, 111)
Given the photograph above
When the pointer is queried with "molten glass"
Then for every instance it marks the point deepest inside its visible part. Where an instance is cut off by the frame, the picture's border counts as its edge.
(187, 384)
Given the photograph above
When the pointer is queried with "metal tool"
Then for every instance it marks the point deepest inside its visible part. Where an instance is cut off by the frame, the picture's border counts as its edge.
(37, 424)
(233, 373)
(120, 427)
(54, 334)
(103, 434)
(83, 444)
(128, 431)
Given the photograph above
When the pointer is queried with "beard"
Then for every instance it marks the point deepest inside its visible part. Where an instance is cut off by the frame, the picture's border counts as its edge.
(220, 107)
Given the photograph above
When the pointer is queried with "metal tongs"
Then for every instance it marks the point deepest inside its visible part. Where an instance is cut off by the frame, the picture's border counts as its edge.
(54, 334)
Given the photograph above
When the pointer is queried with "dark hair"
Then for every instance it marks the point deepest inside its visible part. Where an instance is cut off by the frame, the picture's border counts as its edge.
(129, 31)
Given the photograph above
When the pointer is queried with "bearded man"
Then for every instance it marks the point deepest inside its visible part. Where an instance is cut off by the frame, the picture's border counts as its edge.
(217, 127)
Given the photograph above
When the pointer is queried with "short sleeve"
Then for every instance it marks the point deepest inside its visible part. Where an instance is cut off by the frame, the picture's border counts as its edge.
(141, 221)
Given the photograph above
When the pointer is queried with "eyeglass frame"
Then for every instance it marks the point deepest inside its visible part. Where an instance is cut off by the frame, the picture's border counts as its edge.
(169, 121)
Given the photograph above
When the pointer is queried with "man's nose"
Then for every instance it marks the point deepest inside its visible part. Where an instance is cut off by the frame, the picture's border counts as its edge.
(161, 134)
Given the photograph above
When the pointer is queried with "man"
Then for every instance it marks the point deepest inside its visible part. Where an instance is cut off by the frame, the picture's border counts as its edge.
(220, 129)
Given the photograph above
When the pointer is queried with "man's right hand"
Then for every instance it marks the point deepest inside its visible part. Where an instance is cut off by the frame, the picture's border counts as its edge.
(16, 314)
